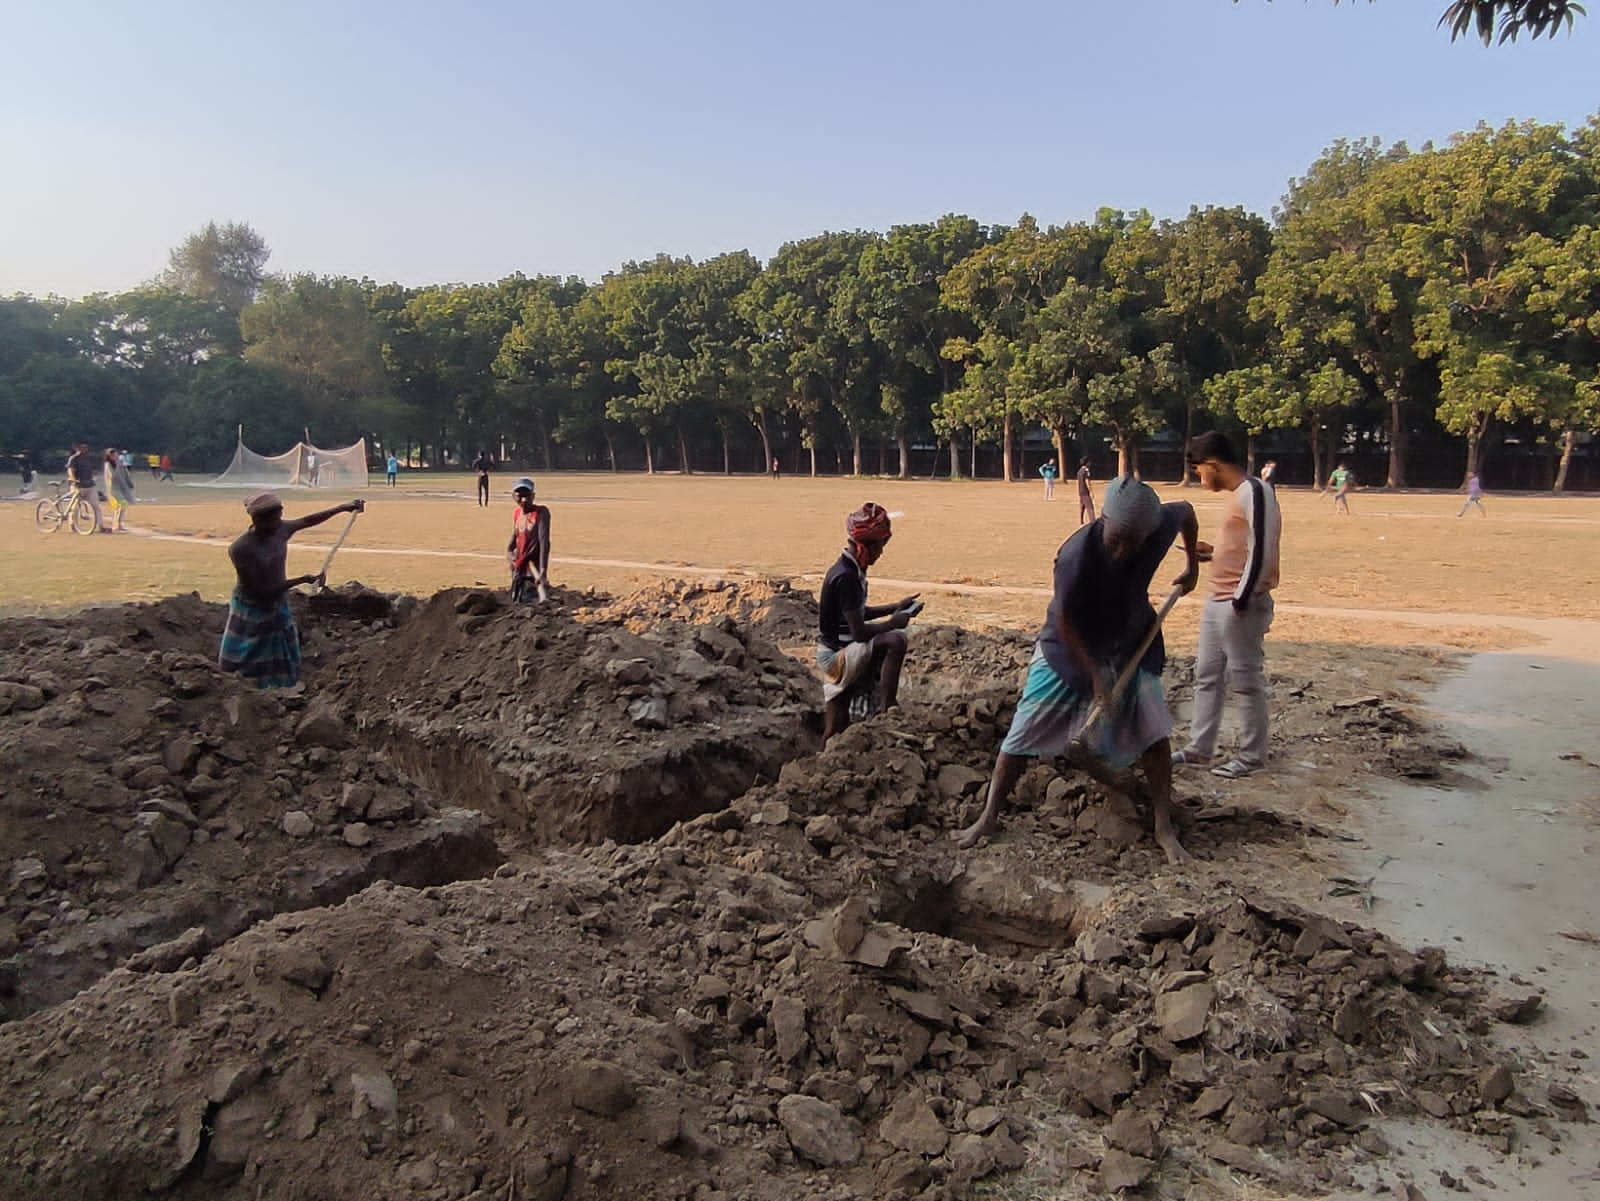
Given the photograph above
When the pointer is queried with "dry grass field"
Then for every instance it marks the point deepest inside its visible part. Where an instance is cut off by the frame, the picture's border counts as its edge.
(980, 551)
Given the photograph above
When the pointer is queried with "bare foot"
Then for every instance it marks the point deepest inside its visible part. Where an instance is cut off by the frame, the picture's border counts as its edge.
(1168, 842)
(968, 838)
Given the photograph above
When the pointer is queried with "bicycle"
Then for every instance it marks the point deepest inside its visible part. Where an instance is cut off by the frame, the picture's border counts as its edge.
(70, 508)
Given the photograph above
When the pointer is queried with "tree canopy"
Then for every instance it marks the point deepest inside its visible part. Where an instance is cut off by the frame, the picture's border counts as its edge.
(1429, 311)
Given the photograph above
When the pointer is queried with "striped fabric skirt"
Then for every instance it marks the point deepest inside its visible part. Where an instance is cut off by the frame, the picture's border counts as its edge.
(261, 643)
(1051, 714)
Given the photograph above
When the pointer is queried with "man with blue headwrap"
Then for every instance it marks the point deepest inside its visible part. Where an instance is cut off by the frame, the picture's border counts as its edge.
(1098, 618)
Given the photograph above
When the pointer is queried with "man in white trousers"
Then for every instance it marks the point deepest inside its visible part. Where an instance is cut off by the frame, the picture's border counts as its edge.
(1238, 611)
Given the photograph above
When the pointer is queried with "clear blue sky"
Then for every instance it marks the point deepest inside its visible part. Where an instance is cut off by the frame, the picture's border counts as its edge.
(435, 142)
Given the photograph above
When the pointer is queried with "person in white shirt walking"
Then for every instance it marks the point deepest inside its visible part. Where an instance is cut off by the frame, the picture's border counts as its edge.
(1238, 611)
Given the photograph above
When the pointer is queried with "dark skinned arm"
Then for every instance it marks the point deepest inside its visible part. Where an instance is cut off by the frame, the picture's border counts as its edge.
(861, 630)
(544, 547)
(259, 585)
(1189, 531)
(305, 523)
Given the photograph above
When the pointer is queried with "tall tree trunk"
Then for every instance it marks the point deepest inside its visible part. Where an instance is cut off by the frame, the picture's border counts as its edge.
(855, 452)
(611, 447)
(955, 456)
(649, 455)
(1316, 454)
(1397, 441)
(1005, 448)
(974, 454)
(1188, 437)
(546, 452)
(1478, 444)
(1569, 439)
(760, 423)
(727, 451)
(1249, 457)
(883, 457)
(1058, 439)
(685, 464)
(904, 443)
(1127, 455)
(811, 445)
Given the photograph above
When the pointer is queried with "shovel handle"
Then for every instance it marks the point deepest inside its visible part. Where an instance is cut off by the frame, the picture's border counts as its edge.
(334, 549)
(1132, 666)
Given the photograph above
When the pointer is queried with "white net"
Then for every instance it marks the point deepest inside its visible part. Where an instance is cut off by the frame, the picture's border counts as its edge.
(303, 466)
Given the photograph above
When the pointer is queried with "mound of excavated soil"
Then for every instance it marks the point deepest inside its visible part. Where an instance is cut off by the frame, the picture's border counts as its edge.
(755, 970)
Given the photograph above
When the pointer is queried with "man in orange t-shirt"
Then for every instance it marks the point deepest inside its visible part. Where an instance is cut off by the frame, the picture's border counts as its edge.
(1238, 611)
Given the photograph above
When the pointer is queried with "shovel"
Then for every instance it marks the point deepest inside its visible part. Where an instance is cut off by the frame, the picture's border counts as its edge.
(1096, 712)
(334, 549)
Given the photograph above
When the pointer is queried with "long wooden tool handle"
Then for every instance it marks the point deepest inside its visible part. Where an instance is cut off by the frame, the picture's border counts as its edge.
(1128, 671)
(1121, 686)
(334, 549)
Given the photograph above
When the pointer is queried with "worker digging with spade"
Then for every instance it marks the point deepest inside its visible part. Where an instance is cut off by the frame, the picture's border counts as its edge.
(1100, 622)
(260, 641)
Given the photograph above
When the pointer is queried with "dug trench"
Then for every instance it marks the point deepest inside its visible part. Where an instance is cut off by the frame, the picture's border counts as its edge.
(696, 957)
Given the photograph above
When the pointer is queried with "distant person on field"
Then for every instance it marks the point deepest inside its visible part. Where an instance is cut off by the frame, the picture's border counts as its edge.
(1098, 616)
(1048, 473)
(528, 552)
(25, 469)
(1269, 472)
(1341, 481)
(311, 468)
(858, 643)
(154, 463)
(1085, 494)
(481, 465)
(166, 467)
(1238, 611)
(1474, 495)
(260, 641)
(119, 487)
(775, 469)
(392, 469)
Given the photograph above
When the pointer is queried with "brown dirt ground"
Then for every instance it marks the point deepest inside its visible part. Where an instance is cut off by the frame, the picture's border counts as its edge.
(565, 902)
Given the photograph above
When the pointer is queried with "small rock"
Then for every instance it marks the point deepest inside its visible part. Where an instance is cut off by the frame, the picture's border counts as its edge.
(1121, 1172)
(1162, 926)
(1517, 1010)
(983, 1118)
(1182, 1015)
(1338, 1109)
(600, 1087)
(321, 726)
(388, 806)
(358, 834)
(628, 671)
(911, 1125)
(19, 698)
(818, 1132)
(231, 1081)
(1134, 1133)
(788, 1021)
(649, 713)
(28, 876)
(1495, 1084)
(297, 823)
(374, 1097)
(1212, 1101)
(824, 831)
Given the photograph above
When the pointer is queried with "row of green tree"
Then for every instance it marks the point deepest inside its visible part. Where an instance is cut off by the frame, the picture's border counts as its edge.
(1449, 295)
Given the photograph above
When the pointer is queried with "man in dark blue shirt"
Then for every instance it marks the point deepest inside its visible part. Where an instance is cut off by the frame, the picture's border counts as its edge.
(858, 642)
(1098, 619)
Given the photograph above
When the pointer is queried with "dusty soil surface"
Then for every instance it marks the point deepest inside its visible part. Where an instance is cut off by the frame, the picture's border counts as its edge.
(565, 902)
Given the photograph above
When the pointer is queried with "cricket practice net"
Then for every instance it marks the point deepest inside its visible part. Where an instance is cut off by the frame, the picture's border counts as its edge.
(302, 466)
